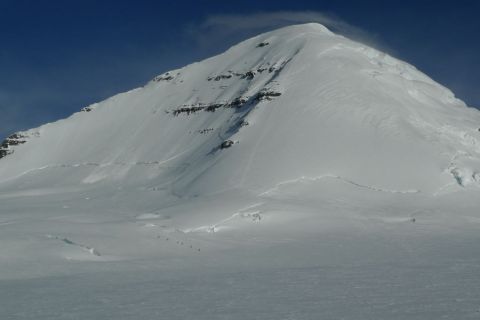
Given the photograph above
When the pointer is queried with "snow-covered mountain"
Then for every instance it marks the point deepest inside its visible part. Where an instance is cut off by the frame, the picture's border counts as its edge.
(299, 102)
(293, 137)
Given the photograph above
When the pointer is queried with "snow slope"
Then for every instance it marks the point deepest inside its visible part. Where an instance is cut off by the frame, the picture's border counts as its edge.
(347, 167)
(345, 110)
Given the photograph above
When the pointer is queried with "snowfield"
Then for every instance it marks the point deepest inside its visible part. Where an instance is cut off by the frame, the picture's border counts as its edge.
(298, 175)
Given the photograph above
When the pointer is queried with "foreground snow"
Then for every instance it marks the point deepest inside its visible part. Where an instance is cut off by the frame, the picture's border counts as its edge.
(289, 256)
(350, 192)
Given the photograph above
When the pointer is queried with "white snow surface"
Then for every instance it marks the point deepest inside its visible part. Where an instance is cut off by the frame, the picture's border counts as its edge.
(351, 191)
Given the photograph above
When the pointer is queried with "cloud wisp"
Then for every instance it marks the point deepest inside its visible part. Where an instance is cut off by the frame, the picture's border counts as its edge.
(218, 28)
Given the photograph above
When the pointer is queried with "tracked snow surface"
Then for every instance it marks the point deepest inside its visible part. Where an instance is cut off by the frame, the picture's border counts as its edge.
(298, 175)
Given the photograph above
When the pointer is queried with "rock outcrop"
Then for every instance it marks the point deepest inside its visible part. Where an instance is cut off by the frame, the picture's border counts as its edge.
(226, 144)
(13, 140)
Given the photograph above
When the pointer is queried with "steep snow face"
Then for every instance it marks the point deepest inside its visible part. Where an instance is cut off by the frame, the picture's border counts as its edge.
(299, 103)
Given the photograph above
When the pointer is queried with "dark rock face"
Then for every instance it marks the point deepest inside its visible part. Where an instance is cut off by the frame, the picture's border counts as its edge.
(205, 131)
(188, 109)
(262, 44)
(226, 144)
(4, 153)
(13, 140)
(86, 109)
(267, 95)
(220, 77)
(249, 75)
(238, 102)
(212, 107)
(164, 77)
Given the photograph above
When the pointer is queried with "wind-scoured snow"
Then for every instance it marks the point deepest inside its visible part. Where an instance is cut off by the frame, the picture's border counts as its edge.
(298, 175)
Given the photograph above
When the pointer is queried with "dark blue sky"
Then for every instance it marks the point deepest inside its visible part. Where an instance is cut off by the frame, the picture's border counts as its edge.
(58, 56)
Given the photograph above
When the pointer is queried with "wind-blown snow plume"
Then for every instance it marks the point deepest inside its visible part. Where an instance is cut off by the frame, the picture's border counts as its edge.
(222, 26)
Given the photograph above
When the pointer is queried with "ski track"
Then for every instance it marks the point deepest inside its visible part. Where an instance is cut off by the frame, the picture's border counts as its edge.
(158, 164)
(246, 212)
(67, 241)
(306, 179)
(186, 243)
